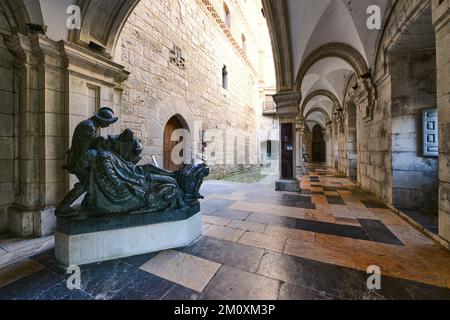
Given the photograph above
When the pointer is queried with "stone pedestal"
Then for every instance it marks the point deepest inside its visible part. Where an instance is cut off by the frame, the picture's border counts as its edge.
(81, 240)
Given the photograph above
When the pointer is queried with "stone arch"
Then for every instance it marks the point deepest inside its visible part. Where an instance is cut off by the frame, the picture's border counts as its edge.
(164, 111)
(278, 23)
(175, 107)
(19, 14)
(325, 93)
(102, 23)
(348, 94)
(326, 115)
(334, 50)
(176, 122)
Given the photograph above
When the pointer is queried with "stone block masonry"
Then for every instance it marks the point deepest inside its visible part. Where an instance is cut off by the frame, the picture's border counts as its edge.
(157, 89)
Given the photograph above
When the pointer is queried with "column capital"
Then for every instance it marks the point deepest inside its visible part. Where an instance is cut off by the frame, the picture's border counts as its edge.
(288, 103)
(300, 124)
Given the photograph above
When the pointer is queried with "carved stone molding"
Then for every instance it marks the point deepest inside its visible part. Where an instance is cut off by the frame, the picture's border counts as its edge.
(87, 64)
(339, 119)
(288, 104)
(219, 20)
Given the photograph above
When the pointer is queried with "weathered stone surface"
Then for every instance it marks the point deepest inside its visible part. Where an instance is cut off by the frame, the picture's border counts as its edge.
(157, 89)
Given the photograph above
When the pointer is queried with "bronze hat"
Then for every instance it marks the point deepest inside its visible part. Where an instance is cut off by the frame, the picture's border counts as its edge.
(106, 115)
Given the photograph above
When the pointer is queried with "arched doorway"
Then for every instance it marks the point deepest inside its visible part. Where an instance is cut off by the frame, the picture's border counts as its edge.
(318, 144)
(173, 161)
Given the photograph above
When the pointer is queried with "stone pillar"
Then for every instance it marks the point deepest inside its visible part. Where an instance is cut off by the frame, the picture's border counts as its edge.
(329, 143)
(300, 128)
(298, 148)
(46, 100)
(441, 22)
(287, 110)
(41, 138)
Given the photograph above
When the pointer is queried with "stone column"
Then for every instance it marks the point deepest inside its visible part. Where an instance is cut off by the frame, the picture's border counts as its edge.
(298, 148)
(287, 109)
(47, 98)
(335, 146)
(41, 138)
(300, 128)
(329, 143)
(441, 21)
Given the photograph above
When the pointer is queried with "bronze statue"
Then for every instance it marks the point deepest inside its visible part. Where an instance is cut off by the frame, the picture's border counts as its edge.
(109, 174)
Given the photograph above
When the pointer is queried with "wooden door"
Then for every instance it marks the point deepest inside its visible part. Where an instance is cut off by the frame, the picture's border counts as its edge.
(171, 126)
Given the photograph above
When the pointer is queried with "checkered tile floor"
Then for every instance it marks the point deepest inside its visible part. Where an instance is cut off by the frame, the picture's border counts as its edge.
(262, 244)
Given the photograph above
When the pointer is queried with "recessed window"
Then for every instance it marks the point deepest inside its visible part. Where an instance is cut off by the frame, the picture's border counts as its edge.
(226, 16)
(225, 78)
(244, 44)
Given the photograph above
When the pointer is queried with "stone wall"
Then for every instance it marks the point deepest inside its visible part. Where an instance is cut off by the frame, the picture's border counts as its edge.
(158, 89)
(415, 177)
(375, 133)
(374, 157)
(441, 21)
(347, 140)
(7, 131)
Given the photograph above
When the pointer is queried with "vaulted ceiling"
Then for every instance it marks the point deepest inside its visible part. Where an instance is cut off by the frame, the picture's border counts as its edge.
(314, 24)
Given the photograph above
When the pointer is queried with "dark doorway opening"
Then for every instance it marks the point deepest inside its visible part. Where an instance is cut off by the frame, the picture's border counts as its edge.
(318, 145)
(287, 151)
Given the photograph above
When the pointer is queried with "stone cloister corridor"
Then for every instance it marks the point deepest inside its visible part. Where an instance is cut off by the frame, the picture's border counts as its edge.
(224, 149)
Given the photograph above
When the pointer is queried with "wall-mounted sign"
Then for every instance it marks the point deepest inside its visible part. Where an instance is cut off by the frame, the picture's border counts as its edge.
(430, 132)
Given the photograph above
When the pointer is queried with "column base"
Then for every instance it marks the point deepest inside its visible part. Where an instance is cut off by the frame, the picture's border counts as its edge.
(24, 223)
(288, 185)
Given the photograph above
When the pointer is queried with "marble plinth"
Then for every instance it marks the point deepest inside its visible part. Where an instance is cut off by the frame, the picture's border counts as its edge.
(81, 240)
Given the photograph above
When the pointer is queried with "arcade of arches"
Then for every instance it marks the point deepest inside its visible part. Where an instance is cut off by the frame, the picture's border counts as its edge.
(358, 112)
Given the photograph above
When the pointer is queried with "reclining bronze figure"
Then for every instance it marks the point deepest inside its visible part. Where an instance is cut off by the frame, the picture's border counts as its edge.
(112, 180)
